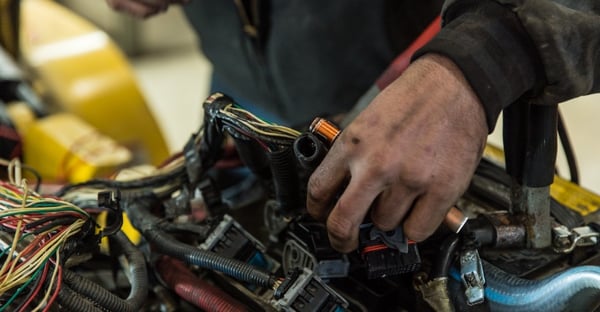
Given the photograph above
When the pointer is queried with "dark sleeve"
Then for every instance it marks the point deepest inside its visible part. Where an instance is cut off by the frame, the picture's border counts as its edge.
(507, 49)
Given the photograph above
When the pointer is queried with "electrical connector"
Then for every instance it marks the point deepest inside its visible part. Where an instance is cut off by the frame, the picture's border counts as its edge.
(303, 291)
(387, 254)
(229, 239)
(308, 246)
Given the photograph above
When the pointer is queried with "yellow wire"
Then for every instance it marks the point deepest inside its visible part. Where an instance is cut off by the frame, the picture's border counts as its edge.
(249, 119)
(13, 249)
(49, 290)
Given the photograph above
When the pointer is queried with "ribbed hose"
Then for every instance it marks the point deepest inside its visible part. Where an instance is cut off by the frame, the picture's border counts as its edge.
(192, 289)
(104, 298)
(137, 271)
(146, 223)
(208, 260)
(577, 289)
(72, 301)
(285, 178)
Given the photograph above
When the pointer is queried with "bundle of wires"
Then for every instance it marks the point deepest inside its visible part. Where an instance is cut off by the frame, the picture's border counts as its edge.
(237, 120)
(34, 231)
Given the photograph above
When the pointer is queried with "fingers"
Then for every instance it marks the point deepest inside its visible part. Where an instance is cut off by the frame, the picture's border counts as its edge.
(425, 217)
(392, 206)
(142, 8)
(349, 212)
(323, 185)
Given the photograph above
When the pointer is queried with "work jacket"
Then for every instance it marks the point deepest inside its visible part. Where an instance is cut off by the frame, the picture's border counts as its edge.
(291, 60)
(541, 51)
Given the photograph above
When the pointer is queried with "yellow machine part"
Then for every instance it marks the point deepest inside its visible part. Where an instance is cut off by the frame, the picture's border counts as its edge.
(134, 235)
(84, 73)
(568, 194)
(63, 147)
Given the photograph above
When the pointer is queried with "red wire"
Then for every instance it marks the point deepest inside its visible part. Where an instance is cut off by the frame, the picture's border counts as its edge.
(372, 248)
(40, 245)
(37, 288)
(56, 291)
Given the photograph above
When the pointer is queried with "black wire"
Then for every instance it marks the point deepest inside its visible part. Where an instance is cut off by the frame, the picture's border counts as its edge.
(445, 256)
(51, 219)
(568, 149)
(133, 184)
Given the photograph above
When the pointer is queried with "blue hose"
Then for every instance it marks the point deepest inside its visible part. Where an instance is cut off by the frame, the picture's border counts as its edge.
(576, 289)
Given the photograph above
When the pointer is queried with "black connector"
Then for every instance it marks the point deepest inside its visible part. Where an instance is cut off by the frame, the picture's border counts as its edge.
(303, 291)
(307, 246)
(230, 240)
(383, 259)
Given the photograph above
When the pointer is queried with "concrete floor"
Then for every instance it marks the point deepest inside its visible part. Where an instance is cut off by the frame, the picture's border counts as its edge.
(176, 83)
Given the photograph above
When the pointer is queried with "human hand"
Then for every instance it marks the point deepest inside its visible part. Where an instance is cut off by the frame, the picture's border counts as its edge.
(407, 157)
(143, 8)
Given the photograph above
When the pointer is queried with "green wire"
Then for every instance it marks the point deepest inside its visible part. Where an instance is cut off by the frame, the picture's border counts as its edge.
(42, 210)
(20, 289)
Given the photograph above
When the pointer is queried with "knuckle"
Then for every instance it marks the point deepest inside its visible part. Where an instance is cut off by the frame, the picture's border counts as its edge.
(383, 223)
(339, 228)
(416, 233)
(315, 191)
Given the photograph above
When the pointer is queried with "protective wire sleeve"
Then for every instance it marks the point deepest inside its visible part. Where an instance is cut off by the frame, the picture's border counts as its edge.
(208, 260)
(192, 289)
(157, 180)
(576, 289)
(72, 301)
(285, 178)
(104, 298)
(148, 225)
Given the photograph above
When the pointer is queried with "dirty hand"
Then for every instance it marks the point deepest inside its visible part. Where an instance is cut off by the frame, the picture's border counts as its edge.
(406, 159)
(143, 8)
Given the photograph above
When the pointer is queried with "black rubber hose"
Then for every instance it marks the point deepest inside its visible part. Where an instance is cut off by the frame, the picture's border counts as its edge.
(285, 178)
(137, 271)
(208, 260)
(445, 256)
(309, 151)
(148, 225)
(72, 301)
(105, 298)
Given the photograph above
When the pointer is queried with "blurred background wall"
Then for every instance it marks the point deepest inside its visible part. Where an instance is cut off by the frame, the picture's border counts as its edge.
(135, 36)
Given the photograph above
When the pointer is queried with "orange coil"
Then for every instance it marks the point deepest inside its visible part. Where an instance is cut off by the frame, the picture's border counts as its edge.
(325, 129)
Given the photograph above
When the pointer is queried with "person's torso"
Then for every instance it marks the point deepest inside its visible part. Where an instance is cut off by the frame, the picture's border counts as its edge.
(304, 57)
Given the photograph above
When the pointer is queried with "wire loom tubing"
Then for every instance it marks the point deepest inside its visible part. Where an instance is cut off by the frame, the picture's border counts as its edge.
(576, 289)
(104, 298)
(72, 301)
(192, 289)
(164, 243)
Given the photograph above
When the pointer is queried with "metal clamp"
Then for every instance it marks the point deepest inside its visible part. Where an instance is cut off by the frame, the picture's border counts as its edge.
(566, 240)
(471, 274)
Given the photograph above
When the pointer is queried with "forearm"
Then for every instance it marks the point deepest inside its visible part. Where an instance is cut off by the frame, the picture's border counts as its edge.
(509, 49)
